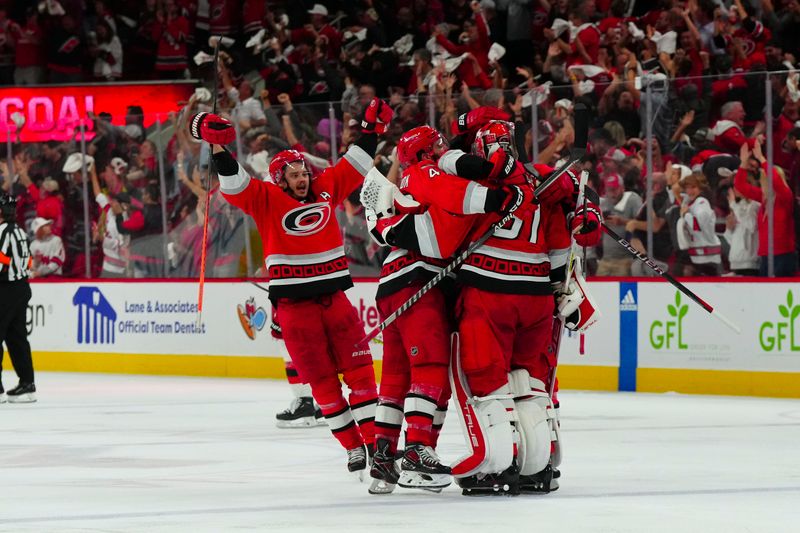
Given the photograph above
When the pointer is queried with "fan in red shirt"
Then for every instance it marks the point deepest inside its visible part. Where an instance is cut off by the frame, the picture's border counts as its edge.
(473, 70)
(171, 31)
(308, 270)
(785, 261)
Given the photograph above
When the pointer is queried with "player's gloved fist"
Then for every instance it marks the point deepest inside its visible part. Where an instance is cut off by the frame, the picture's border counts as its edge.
(519, 200)
(212, 128)
(472, 120)
(376, 117)
(503, 165)
(564, 188)
(585, 225)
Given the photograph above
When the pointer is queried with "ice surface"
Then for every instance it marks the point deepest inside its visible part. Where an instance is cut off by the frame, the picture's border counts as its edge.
(142, 453)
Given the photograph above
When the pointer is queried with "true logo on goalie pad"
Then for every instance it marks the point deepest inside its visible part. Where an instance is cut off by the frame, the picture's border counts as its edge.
(306, 220)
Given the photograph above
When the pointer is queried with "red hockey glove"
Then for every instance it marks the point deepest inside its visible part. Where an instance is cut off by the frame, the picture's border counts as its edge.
(519, 200)
(471, 121)
(585, 225)
(376, 117)
(212, 128)
(564, 188)
(503, 165)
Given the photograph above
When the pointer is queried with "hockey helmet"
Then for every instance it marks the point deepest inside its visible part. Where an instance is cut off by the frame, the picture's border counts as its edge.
(418, 144)
(493, 136)
(277, 166)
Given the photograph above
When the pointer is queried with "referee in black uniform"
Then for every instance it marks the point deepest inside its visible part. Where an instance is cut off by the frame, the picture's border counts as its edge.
(15, 293)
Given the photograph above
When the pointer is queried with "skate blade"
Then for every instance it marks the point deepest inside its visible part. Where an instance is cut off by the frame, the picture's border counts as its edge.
(359, 475)
(300, 423)
(380, 486)
(29, 397)
(419, 480)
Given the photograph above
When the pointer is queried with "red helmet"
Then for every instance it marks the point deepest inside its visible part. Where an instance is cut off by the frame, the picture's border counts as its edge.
(279, 162)
(417, 144)
(496, 134)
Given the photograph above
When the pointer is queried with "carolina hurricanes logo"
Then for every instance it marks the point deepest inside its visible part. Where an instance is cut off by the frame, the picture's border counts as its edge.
(69, 45)
(306, 220)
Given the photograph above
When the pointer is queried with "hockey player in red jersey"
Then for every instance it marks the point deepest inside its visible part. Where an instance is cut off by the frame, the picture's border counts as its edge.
(308, 270)
(416, 346)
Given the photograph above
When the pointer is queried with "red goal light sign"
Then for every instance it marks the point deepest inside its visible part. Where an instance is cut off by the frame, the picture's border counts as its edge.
(53, 113)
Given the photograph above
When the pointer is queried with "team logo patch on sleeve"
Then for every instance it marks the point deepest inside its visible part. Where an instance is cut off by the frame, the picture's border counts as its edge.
(307, 220)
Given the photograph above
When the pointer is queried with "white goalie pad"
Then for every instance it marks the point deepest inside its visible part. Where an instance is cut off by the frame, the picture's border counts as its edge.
(558, 443)
(576, 306)
(378, 193)
(485, 422)
(535, 426)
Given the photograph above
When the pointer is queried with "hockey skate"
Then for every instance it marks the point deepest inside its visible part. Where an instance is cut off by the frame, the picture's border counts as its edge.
(544, 481)
(384, 471)
(22, 393)
(3, 398)
(302, 413)
(357, 461)
(505, 483)
(421, 468)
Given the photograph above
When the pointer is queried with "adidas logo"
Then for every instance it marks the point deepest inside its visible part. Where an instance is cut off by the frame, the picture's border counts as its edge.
(628, 302)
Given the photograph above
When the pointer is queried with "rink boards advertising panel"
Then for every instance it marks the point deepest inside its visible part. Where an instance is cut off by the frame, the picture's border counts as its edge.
(650, 337)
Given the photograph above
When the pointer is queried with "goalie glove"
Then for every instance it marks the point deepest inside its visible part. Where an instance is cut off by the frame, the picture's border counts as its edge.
(377, 117)
(585, 224)
(575, 306)
(212, 128)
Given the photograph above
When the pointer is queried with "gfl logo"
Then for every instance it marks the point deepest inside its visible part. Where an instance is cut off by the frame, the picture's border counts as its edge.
(666, 334)
(773, 335)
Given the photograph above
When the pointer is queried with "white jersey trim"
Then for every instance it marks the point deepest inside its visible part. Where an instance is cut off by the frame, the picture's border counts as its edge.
(447, 162)
(505, 277)
(305, 259)
(310, 279)
(236, 183)
(558, 257)
(475, 199)
(359, 159)
(502, 253)
(426, 235)
(408, 268)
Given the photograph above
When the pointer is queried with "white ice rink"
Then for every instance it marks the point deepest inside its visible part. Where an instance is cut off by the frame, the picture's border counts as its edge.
(134, 453)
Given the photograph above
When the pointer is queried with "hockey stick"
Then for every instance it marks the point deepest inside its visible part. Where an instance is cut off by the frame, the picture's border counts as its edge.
(675, 283)
(253, 283)
(457, 262)
(558, 322)
(211, 168)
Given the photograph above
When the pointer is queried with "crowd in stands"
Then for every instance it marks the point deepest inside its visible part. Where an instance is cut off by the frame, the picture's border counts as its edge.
(698, 69)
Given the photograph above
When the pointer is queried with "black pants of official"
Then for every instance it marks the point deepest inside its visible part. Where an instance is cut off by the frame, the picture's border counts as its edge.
(14, 298)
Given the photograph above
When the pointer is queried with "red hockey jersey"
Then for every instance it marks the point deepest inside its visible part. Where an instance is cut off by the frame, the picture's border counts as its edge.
(518, 258)
(302, 241)
(437, 232)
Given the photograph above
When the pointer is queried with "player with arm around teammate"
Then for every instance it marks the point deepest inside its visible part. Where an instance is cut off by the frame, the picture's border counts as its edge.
(308, 270)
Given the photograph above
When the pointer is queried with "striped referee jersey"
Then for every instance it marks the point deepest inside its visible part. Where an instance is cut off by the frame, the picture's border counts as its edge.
(15, 254)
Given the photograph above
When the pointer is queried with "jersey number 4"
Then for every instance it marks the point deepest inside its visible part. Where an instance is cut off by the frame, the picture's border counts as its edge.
(516, 225)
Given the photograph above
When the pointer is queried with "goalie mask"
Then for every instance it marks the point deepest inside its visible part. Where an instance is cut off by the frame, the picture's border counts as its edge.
(493, 136)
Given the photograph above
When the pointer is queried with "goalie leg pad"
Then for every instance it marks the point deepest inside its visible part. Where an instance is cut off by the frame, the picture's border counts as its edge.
(532, 407)
(485, 422)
